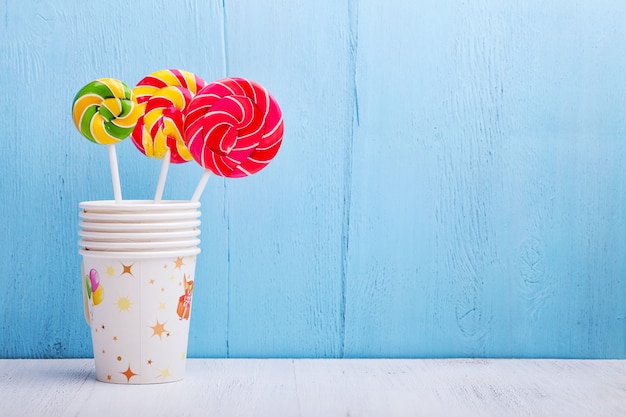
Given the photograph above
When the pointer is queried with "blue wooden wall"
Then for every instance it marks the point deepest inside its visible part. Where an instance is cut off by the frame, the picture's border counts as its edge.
(452, 180)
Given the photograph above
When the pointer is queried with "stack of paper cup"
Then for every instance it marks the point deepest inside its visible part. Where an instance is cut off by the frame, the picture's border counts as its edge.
(138, 272)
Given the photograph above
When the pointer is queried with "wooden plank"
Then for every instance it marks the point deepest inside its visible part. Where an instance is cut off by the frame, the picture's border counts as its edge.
(243, 387)
(487, 197)
(285, 223)
(44, 386)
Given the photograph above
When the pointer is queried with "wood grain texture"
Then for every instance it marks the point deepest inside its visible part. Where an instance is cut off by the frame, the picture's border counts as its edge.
(285, 223)
(451, 181)
(281, 387)
(458, 244)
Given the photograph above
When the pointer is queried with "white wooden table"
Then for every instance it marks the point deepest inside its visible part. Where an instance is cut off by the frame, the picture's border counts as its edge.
(320, 387)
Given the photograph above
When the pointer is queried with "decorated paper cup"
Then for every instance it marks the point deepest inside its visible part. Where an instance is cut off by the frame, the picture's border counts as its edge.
(138, 306)
(137, 275)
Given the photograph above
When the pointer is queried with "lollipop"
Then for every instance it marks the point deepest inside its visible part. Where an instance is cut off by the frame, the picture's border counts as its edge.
(105, 112)
(163, 96)
(233, 128)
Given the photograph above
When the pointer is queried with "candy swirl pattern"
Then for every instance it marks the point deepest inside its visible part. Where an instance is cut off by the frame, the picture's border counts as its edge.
(163, 97)
(105, 111)
(233, 127)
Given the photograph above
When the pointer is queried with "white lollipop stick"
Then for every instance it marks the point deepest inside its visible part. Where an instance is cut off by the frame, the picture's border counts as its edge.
(115, 174)
(165, 166)
(203, 180)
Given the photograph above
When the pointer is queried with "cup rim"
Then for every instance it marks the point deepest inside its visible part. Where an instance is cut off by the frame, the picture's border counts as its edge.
(138, 217)
(139, 227)
(137, 205)
(124, 246)
(137, 236)
(135, 255)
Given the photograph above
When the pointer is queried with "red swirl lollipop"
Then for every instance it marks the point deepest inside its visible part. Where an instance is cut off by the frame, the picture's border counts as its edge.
(233, 127)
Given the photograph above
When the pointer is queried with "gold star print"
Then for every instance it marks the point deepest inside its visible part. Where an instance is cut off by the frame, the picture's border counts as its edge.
(179, 262)
(162, 306)
(110, 271)
(127, 269)
(149, 361)
(124, 303)
(109, 377)
(151, 282)
(165, 373)
(128, 373)
(158, 329)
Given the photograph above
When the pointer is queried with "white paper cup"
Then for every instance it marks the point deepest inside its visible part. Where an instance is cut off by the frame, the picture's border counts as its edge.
(138, 305)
